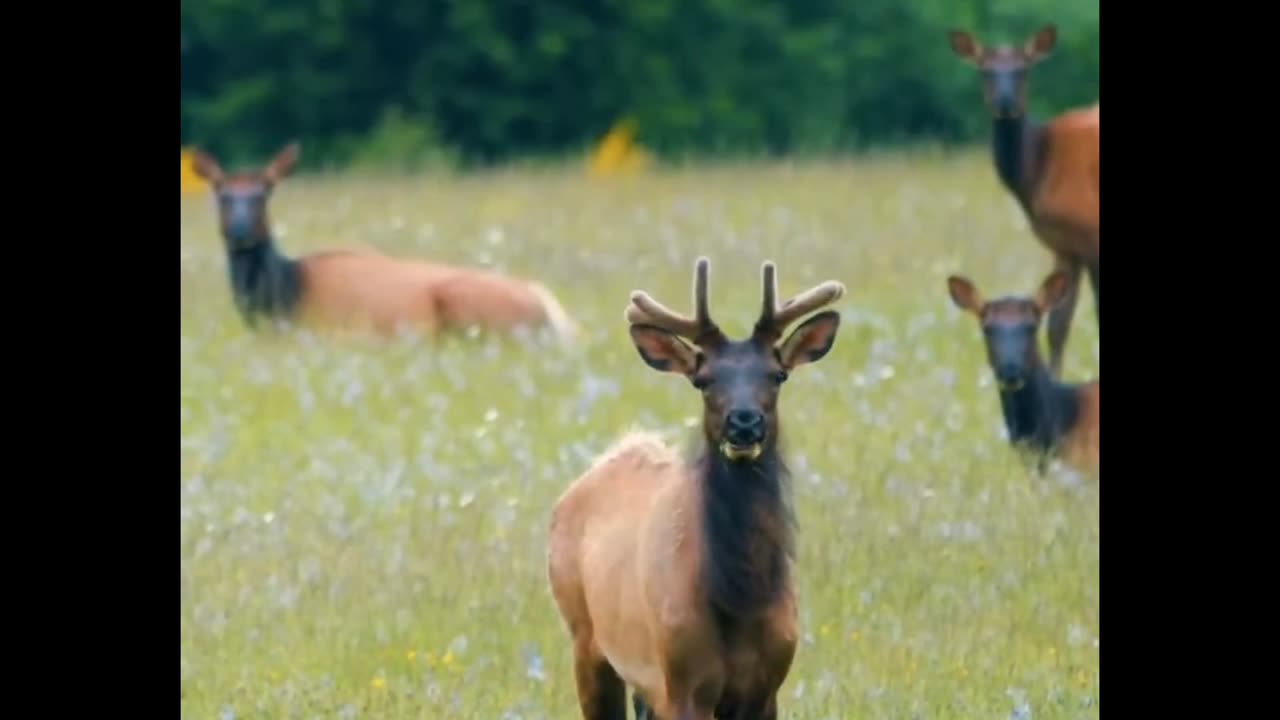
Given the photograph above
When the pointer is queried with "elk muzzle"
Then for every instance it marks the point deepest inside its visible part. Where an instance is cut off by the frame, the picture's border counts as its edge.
(744, 434)
(239, 222)
(1006, 93)
(1010, 376)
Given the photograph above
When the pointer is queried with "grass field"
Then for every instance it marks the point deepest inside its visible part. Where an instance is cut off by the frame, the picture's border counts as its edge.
(363, 525)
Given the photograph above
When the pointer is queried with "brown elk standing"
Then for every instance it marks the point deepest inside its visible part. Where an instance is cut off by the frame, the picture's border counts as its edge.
(673, 577)
(358, 290)
(1050, 168)
(1044, 417)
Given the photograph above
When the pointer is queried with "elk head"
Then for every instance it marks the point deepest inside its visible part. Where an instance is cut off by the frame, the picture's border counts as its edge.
(1010, 325)
(739, 379)
(242, 197)
(1004, 67)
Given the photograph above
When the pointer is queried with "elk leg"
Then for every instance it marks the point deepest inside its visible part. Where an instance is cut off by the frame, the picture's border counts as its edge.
(1093, 281)
(700, 704)
(770, 709)
(761, 708)
(643, 711)
(601, 694)
(691, 711)
(1060, 316)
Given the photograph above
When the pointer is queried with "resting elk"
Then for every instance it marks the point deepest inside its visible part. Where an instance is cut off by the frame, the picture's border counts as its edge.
(673, 576)
(358, 290)
(1050, 168)
(1044, 418)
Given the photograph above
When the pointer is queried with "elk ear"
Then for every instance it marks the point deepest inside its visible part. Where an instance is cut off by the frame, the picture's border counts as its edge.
(1052, 290)
(1039, 46)
(964, 294)
(663, 351)
(206, 167)
(965, 46)
(282, 164)
(811, 340)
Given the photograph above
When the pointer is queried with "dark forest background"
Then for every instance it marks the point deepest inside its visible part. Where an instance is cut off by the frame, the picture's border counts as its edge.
(467, 82)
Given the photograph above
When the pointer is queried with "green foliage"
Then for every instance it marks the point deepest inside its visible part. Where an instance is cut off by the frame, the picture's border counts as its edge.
(400, 143)
(494, 80)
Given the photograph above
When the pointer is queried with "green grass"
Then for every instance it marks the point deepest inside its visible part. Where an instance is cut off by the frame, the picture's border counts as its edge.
(363, 526)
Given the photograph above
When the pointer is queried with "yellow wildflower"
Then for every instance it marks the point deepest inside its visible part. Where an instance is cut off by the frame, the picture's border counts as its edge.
(617, 152)
(191, 182)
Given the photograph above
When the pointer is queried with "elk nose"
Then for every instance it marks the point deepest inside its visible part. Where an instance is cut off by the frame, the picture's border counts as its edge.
(744, 427)
(1008, 373)
(239, 222)
(239, 228)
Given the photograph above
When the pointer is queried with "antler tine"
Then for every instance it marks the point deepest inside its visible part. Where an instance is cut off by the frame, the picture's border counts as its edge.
(701, 305)
(644, 309)
(811, 299)
(774, 318)
(769, 278)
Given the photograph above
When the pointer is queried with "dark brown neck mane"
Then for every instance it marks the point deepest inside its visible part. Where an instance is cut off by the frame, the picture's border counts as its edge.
(264, 282)
(748, 531)
(1016, 145)
(1040, 413)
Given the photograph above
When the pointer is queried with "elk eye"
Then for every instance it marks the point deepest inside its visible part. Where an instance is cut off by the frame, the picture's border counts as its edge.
(780, 377)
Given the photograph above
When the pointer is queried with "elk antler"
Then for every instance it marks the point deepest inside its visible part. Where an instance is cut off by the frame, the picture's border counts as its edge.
(700, 328)
(774, 318)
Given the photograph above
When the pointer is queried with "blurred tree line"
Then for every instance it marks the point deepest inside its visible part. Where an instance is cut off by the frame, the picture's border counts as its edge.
(478, 81)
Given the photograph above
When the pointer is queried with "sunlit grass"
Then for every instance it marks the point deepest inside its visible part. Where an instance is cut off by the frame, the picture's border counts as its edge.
(363, 526)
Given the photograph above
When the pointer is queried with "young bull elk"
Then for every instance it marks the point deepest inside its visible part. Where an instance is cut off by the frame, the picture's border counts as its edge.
(673, 577)
(1045, 417)
(1050, 168)
(358, 290)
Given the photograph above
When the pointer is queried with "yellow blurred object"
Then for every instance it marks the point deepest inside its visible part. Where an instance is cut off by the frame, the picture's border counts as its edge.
(191, 182)
(617, 153)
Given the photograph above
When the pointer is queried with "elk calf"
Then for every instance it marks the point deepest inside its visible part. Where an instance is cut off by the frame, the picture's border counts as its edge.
(358, 290)
(1051, 169)
(1047, 418)
(673, 576)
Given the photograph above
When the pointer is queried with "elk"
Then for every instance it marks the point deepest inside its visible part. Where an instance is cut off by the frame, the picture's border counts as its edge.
(1045, 418)
(357, 290)
(673, 575)
(1050, 168)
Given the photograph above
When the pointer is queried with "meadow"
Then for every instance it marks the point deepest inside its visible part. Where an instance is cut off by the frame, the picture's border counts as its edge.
(363, 524)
